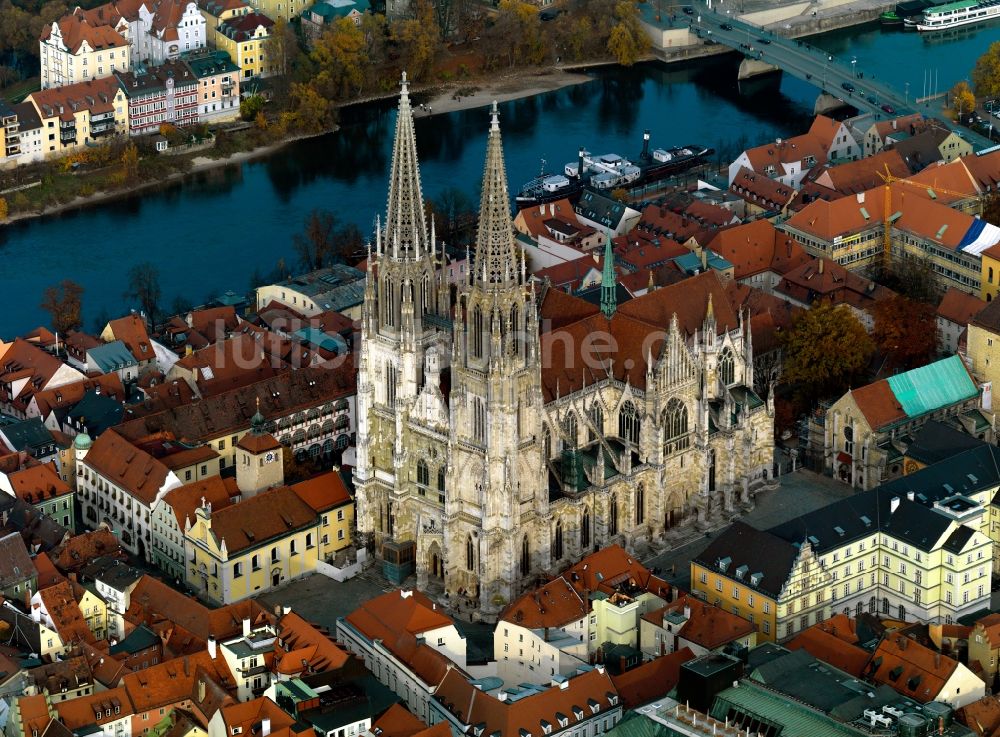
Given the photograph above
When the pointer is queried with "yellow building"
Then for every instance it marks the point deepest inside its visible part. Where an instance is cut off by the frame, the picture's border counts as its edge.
(329, 498)
(216, 11)
(983, 350)
(285, 9)
(244, 38)
(917, 548)
(72, 50)
(76, 115)
(991, 273)
(95, 612)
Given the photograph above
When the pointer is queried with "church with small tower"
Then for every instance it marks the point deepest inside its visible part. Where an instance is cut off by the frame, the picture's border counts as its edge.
(509, 431)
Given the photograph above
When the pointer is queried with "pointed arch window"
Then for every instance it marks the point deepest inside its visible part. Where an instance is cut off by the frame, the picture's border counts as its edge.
(479, 420)
(628, 423)
(425, 292)
(515, 331)
(441, 481)
(596, 428)
(389, 302)
(391, 379)
(640, 504)
(675, 427)
(727, 367)
(470, 554)
(613, 516)
(477, 332)
(585, 529)
(557, 547)
(546, 443)
(423, 475)
(525, 556)
(569, 430)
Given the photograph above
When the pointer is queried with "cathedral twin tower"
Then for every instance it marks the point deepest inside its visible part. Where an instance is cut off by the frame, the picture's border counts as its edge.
(457, 470)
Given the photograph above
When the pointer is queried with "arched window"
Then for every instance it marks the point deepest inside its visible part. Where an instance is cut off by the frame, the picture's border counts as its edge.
(675, 427)
(479, 420)
(557, 548)
(441, 479)
(640, 504)
(727, 368)
(525, 557)
(569, 430)
(423, 474)
(596, 420)
(628, 423)
(515, 332)
(477, 332)
(613, 516)
(991, 275)
(546, 443)
(470, 554)
(425, 290)
(585, 529)
(389, 300)
(391, 379)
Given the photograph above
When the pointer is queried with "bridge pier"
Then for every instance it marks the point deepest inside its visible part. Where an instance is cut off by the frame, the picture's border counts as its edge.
(826, 103)
(750, 68)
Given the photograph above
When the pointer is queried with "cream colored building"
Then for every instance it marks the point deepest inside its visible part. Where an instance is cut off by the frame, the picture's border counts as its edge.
(538, 455)
(244, 38)
(81, 114)
(73, 50)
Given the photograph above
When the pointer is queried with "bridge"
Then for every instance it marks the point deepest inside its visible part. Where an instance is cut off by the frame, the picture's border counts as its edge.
(765, 50)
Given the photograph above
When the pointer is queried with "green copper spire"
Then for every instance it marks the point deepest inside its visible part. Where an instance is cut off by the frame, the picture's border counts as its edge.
(609, 300)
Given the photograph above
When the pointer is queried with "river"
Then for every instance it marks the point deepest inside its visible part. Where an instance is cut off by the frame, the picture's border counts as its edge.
(210, 232)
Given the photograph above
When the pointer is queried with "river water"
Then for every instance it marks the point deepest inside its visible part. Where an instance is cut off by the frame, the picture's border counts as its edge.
(209, 233)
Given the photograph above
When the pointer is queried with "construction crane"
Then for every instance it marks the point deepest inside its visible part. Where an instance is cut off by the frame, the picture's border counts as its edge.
(888, 219)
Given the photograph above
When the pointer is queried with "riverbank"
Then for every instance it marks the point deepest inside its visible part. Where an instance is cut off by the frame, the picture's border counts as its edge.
(198, 164)
(514, 86)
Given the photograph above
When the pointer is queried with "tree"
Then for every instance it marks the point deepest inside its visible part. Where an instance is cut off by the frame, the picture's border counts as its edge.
(515, 36)
(340, 61)
(986, 73)
(348, 243)
(825, 348)
(64, 304)
(251, 106)
(4, 210)
(418, 38)
(905, 331)
(130, 162)
(317, 242)
(282, 46)
(628, 41)
(991, 208)
(144, 288)
(309, 111)
(912, 277)
(963, 102)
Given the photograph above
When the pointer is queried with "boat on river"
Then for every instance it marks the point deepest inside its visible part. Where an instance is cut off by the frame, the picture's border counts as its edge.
(961, 13)
(605, 172)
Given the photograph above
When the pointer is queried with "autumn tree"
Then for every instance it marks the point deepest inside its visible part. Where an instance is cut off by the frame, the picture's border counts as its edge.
(317, 242)
(309, 110)
(628, 41)
(130, 162)
(4, 209)
(63, 302)
(144, 288)
(515, 36)
(418, 39)
(282, 46)
(913, 277)
(339, 58)
(986, 73)
(905, 331)
(991, 208)
(963, 102)
(824, 350)
(251, 106)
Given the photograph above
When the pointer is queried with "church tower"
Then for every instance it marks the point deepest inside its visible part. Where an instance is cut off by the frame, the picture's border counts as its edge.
(497, 482)
(405, 302)
(259, 464)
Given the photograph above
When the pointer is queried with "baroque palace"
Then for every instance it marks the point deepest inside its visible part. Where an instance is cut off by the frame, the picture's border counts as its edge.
(516, 428)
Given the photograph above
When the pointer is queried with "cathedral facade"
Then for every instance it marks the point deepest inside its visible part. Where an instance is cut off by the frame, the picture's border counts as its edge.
(514, 429)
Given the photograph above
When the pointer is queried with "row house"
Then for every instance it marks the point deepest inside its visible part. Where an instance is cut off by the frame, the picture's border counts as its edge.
(41, 486)
(117, 485)
(157, 95)
(866, 432)
(79, 114)
(312, 411)
(244, 38)
(26, 370)
(10, 136)
(954, 313)
(156, 30)
(218, 85)
(102, 714)
(73, 49)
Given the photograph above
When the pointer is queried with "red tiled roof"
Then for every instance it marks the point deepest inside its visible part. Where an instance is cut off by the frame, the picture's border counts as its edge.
(758, 247)
(305, 648)
(214, 490)
(76, 30)
(324, 492)
(61, 605)
(878, 404)
(556, 604)
(652, 680)
(959, 307)
(823, 645)
(911, 668)
(131, 330)
(134, 470)
(99, 708)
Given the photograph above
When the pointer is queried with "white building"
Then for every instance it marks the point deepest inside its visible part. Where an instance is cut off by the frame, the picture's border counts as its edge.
(73, 49)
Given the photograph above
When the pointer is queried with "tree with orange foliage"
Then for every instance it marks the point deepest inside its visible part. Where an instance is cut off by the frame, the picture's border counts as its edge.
(906, 331)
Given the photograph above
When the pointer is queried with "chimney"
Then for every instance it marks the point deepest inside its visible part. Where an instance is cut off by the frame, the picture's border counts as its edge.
(910, 495)
(201, 689)
(246, 626)
(265, 726)
(502, 696)
(687, 612)
(893, 504)
(211, 648)
(937, 660)
(820, 267)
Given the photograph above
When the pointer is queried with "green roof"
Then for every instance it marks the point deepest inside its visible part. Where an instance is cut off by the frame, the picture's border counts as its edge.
(795, 720)
(939, 384)
(948, 7)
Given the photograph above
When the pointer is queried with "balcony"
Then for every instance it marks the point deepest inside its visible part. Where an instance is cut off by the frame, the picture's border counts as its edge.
(64, 124)
(227, 89)
(97, 117)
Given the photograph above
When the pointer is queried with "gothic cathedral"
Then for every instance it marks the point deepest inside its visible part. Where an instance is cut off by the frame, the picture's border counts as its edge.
(514, 429)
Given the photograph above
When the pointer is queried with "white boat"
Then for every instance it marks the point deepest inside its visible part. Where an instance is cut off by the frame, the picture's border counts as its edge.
(961, 13)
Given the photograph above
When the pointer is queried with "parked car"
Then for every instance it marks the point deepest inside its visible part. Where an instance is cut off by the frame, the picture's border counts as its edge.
(726, 27)
(847, 86)
(889, 108)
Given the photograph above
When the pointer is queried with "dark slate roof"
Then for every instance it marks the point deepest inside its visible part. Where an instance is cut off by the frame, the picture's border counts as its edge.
(957, 540)
(27, 434)
(936, 441)
(97, 412)
(917, 525)
(140, 638)
(601, 209)
(40, 532)
(15, 563)
(762, 552)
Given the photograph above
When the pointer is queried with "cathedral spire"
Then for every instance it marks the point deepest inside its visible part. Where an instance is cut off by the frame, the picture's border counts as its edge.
(405, 226)
(495, 257)
(609, 296)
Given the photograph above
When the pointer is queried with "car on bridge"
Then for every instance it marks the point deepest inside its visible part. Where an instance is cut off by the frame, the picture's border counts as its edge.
(847, 86)
(688, 10)
(889, 108)
(726, 27)
(764, 40)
